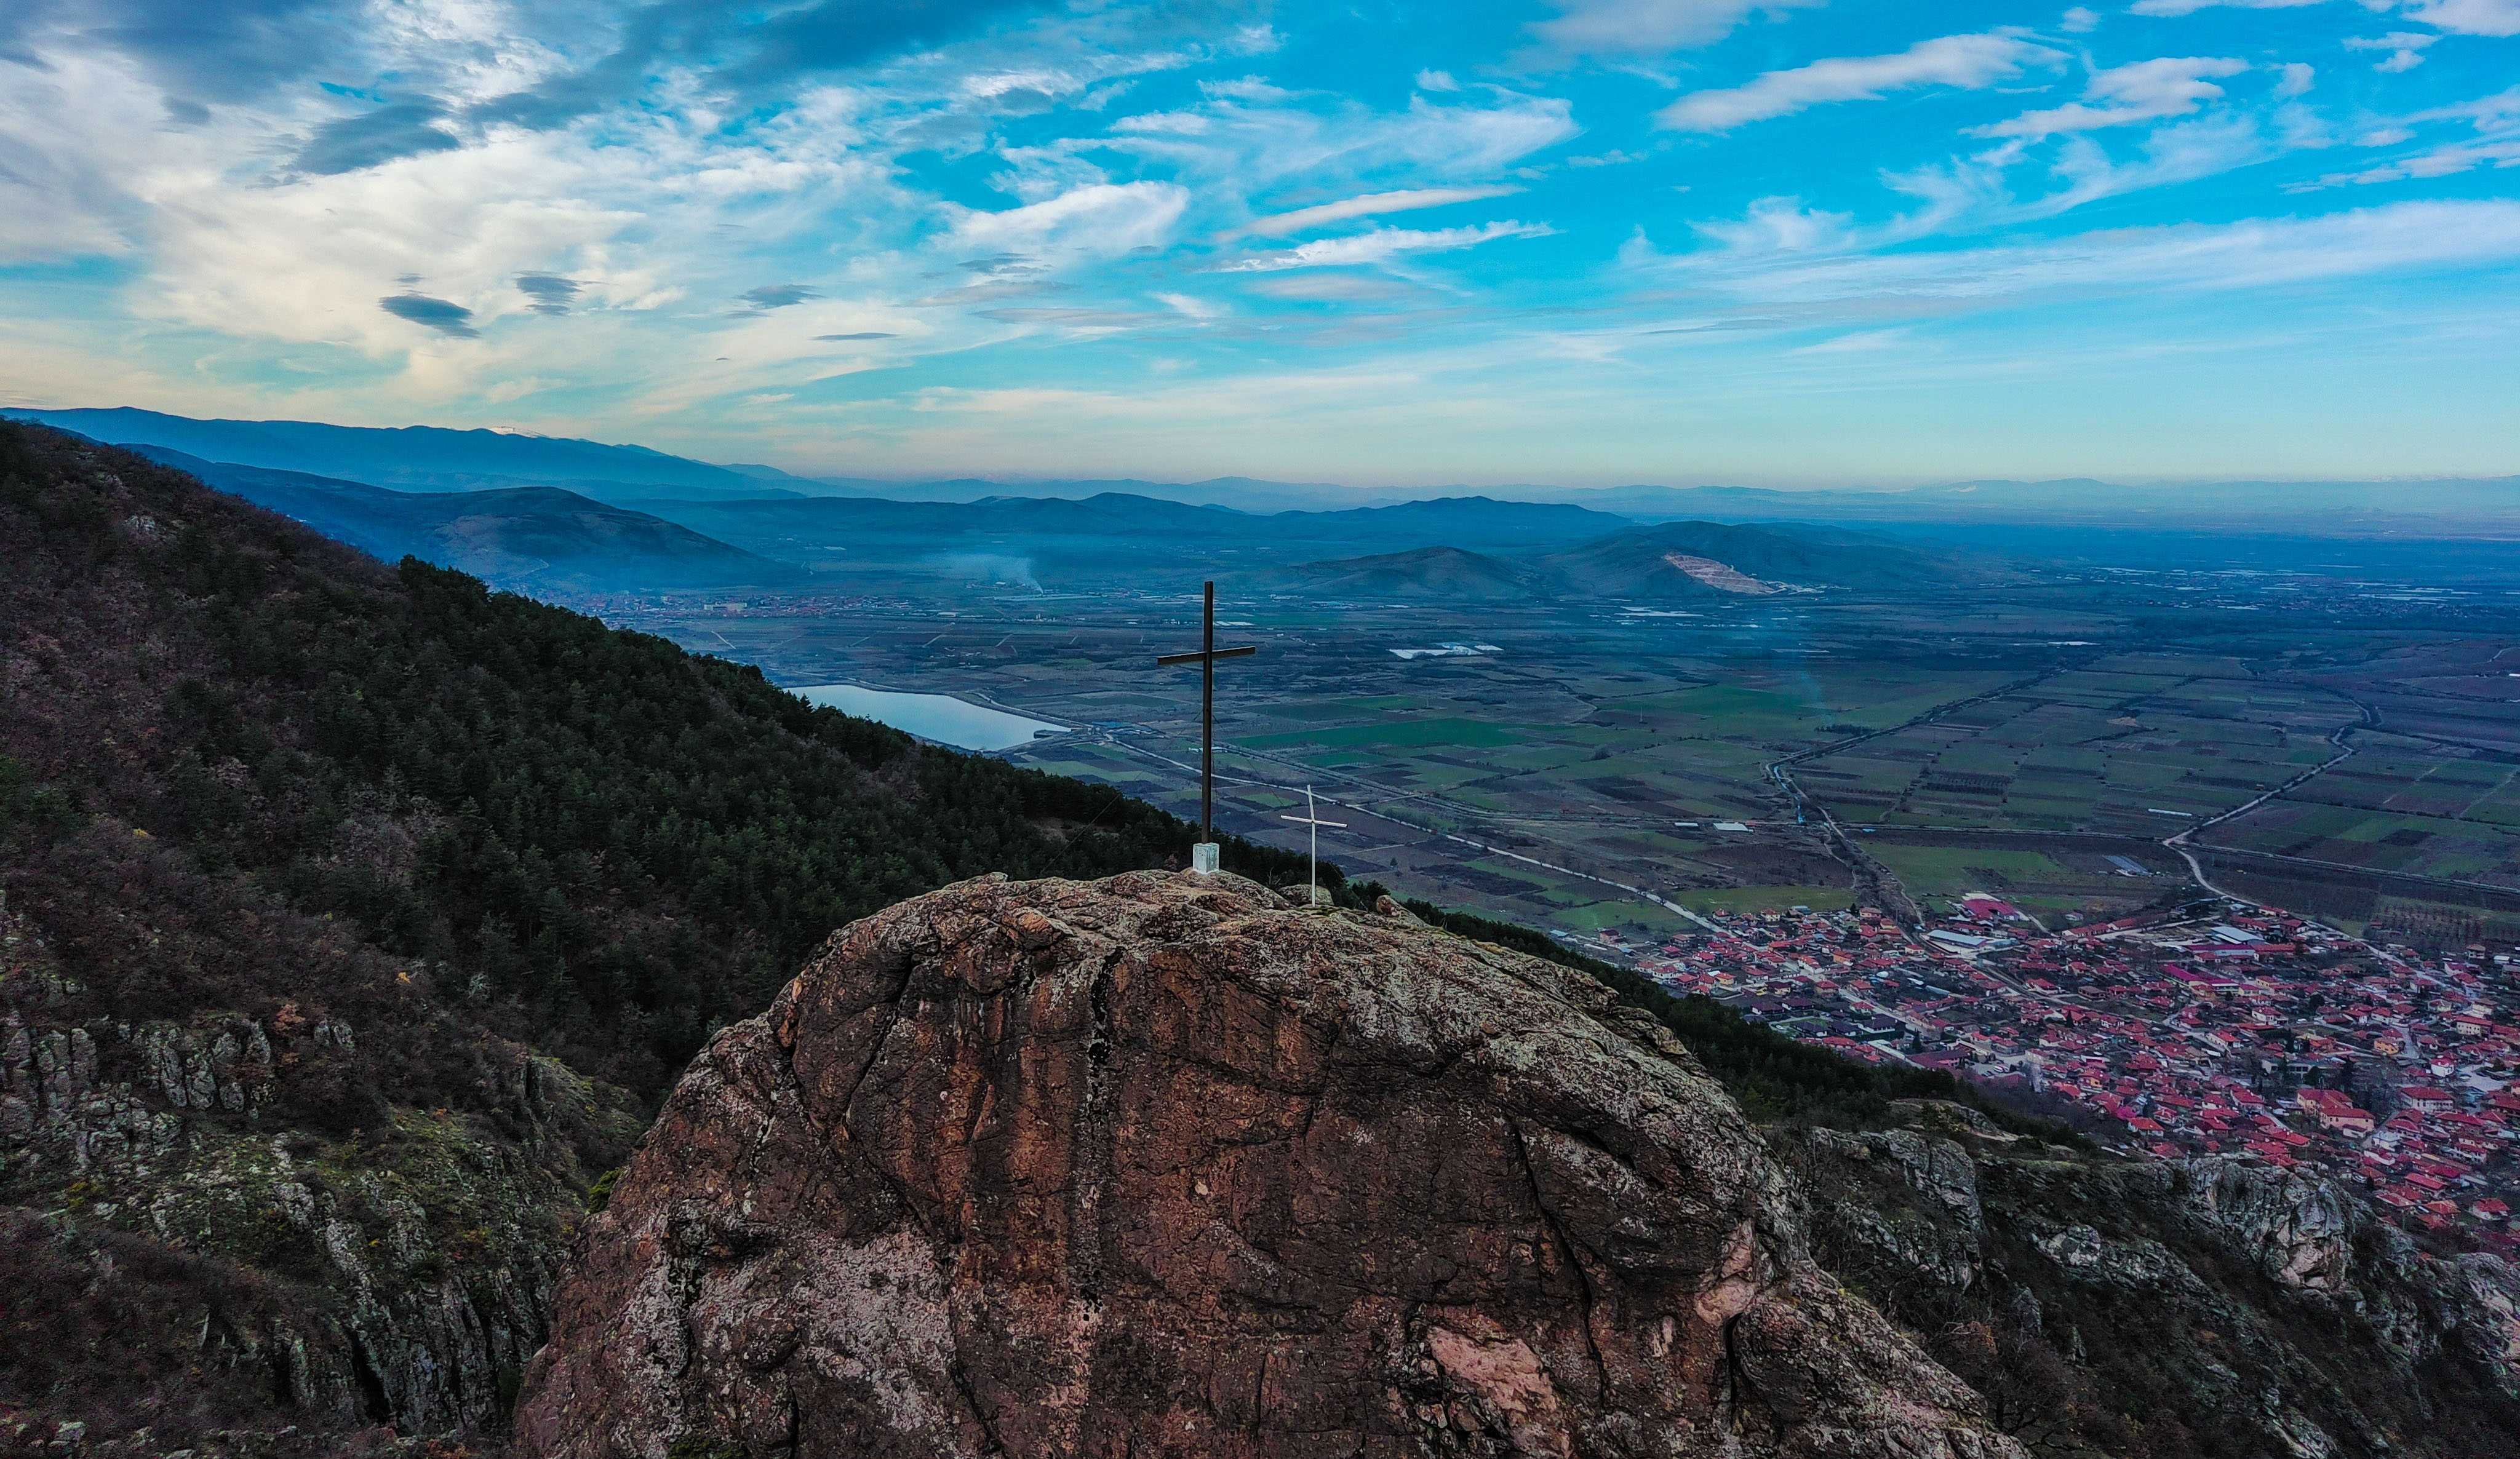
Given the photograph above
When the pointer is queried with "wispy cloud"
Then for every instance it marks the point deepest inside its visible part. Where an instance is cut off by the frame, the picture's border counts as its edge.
(1962, 62)
(1371, 204)
(1102, 220)
(2462, 16)
(2255, 253)
(1382, 246)
(2145, 90)
(1618, 29)
(647, 220)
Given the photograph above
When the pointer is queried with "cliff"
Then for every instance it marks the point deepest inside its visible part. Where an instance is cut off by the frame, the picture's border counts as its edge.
(1160, 1166)
(1163, 1165)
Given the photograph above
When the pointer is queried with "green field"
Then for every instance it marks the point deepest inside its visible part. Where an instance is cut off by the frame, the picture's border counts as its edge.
(2086, 752)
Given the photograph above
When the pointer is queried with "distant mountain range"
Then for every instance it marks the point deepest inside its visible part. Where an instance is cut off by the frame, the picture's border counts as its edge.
(558, 516)
(421, 457)
(1706, 561)
(531, 538)
(1672, 562)
(1437, 574)
(431, 459)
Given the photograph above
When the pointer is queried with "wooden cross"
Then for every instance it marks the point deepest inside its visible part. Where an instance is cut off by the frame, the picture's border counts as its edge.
(1206, 657)
(1313, 864)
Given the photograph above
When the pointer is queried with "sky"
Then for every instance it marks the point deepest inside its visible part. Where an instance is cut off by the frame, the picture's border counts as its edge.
(1806, 242)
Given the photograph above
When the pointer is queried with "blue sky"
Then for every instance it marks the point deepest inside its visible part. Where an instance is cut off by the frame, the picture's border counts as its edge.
(1579, 241)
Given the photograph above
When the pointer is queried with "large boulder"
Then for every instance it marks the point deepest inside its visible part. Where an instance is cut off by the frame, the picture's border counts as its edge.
(1161, 1166)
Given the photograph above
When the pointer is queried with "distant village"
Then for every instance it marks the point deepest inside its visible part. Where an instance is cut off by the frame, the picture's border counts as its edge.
(2222, 1028)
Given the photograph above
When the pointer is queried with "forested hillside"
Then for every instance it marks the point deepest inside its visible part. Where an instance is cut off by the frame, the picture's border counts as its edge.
(601, 841)
(354, 918)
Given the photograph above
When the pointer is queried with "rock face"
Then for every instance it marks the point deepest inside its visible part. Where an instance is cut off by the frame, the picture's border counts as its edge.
(1162, 1166)
(2208, 1306)
(154, 1184)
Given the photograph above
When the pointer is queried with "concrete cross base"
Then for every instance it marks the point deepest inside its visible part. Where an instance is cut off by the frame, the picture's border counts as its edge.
(1202, 859)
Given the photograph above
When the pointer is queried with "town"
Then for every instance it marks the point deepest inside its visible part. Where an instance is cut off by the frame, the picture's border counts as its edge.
(2218, 1028)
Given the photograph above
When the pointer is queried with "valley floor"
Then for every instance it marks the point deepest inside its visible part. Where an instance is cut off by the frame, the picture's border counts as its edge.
(1685, 791)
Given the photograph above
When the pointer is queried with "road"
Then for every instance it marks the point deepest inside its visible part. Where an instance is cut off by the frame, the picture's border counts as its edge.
(1665, 902)
(2178, 844)
(1885, 882)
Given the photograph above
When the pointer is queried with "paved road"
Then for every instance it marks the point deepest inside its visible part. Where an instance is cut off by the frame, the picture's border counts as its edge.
(1665, 902)
(2342, 738)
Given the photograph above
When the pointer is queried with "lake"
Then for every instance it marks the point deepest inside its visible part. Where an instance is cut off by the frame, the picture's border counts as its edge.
(940, 718)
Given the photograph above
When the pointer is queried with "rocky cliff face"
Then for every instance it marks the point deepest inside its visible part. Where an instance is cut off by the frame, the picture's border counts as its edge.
(183, 1254)
(1162, 1165)
(2205, 1307)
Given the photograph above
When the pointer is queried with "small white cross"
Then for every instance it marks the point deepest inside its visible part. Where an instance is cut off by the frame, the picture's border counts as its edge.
(1313, 865)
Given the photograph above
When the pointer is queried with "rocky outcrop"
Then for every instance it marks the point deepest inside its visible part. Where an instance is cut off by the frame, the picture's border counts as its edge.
(397, 1274)
(1162, 1165)
(2158, 1307)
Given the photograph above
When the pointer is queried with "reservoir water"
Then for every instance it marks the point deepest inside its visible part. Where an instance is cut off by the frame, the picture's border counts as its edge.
(940, 718)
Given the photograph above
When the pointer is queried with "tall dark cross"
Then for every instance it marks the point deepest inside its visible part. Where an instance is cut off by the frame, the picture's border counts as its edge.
(1206, 657)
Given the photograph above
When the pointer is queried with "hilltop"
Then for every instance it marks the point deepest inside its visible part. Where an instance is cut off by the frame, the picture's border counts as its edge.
(1162, 1165)
(533, 538)
(1442, 573)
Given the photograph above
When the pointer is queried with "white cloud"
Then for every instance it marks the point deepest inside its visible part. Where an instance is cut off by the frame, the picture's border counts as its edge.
(1247, 89)
(2405, 49)
(1384, 245)
(2441, 161)
(2468, 16)
(1782, 225)
(2296, 78)
(1480, 139)
(2081, 20)
(1100, 221)
(1620, 29)
(1967, 61)
(1371, 204)
(2191, 7)
(1431, 81)
(2145, 91)
(1191, 306)
(1176, 123)
(2261, 253)
(2501, 109)
(2462, 16)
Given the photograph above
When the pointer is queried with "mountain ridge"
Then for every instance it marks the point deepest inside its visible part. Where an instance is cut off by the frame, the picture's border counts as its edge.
(2456, 505)
(539, 538)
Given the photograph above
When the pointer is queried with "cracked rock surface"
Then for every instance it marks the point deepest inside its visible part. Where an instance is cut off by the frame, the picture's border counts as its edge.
(1162, 1165)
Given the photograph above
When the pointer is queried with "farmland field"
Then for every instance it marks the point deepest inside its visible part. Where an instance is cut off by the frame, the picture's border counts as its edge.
(1593, 759)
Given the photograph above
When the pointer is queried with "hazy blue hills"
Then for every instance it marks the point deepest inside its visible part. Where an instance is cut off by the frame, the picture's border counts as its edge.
(1711, 560)
(532, 538)
(859, 523)
(1699, 562)
(424, 456)
(1454, 521)
(1437, 573)
(431, 458)
(2433, 510)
